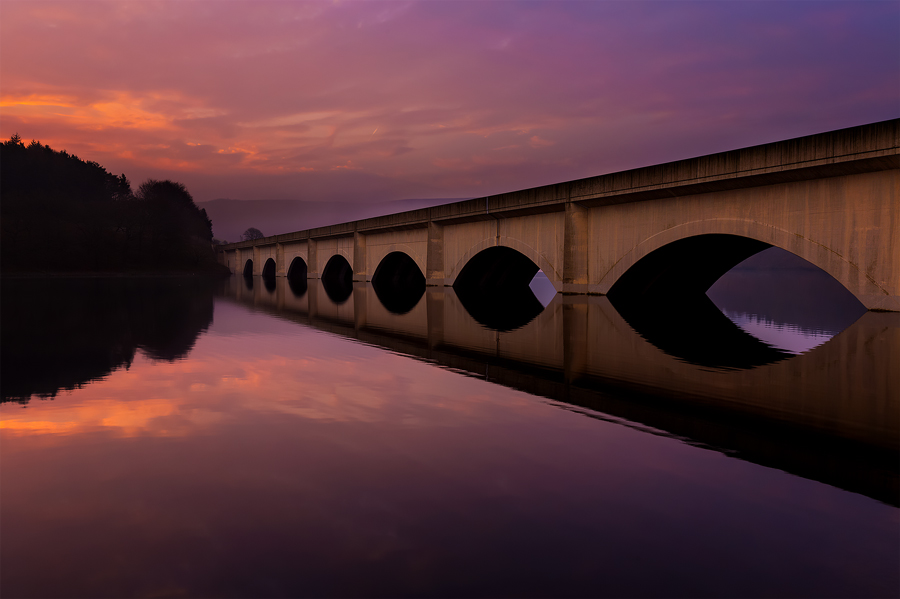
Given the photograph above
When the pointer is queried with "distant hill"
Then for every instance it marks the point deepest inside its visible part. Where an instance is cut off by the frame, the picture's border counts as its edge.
(231, 218)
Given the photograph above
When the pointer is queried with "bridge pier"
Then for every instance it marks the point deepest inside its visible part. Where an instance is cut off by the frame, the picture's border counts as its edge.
(280, 266)
(575, 249)
(257, 261)
(434, 252)
(359, 257)
(312, 265)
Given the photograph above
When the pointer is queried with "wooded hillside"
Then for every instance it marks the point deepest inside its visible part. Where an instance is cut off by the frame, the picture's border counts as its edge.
(59, 213)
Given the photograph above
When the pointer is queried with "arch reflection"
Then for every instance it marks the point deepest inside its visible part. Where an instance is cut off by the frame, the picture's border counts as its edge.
(494, 288)
(296, 276)
(337, 278)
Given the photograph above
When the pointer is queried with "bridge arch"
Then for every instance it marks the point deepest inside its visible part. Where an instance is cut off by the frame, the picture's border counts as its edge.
(850, 275)
(337, 278)
(494, 287)
(268, 271)
(248, 268)
(398, 282)
(296, 276)
(298, 269)
(377, 253)
(553, 272)
(326, 252)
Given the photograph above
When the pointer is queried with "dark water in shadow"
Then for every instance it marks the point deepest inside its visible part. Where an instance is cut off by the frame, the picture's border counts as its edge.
(265, 440)
(696, 331)
(58, 334)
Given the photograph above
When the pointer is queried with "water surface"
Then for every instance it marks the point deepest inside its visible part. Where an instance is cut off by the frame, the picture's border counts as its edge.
(172, 439)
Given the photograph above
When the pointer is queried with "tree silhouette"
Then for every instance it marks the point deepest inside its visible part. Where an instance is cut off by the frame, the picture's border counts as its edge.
(61, 213)
(251, 234)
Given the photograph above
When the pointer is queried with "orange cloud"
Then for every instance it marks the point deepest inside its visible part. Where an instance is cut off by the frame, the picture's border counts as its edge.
(12, 100)
(121, 111)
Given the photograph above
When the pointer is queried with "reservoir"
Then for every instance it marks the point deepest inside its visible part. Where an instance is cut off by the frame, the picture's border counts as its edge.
(250, 437)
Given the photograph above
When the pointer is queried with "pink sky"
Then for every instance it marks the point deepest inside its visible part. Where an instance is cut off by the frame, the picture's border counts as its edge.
(373, 101)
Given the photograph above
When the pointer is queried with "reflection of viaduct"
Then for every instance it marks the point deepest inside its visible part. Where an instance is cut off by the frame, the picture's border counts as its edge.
(831, 414)
(674, 228)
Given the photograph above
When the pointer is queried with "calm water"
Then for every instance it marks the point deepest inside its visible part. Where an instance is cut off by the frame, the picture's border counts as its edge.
(181, 438)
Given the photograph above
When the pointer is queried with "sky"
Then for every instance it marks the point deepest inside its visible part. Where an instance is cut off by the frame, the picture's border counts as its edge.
(376, 101)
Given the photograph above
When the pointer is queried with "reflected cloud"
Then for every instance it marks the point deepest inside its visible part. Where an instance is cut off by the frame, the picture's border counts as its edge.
(226, 381)
(91, 414)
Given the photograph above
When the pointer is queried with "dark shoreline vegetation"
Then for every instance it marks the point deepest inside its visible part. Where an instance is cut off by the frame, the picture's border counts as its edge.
(60, 333)
(63, 215)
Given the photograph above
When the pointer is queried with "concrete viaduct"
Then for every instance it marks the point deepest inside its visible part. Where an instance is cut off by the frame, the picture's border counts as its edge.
(663, 231)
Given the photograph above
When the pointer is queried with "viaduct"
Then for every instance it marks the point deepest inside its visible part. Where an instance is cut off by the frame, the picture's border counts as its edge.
(665, 231)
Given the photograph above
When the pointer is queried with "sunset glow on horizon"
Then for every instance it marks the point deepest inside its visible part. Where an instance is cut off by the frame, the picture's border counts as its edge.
(378, 101)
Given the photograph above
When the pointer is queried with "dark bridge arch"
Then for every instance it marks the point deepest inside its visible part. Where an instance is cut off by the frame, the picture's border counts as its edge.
(248, 268)
(663, 297)
(494, 288)
(337, 279)
(398, 282)
(297, 269)
(835, 263)
(268, 275)
(684, 269)
(268, 271)
(497, 269)
(296, 276)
